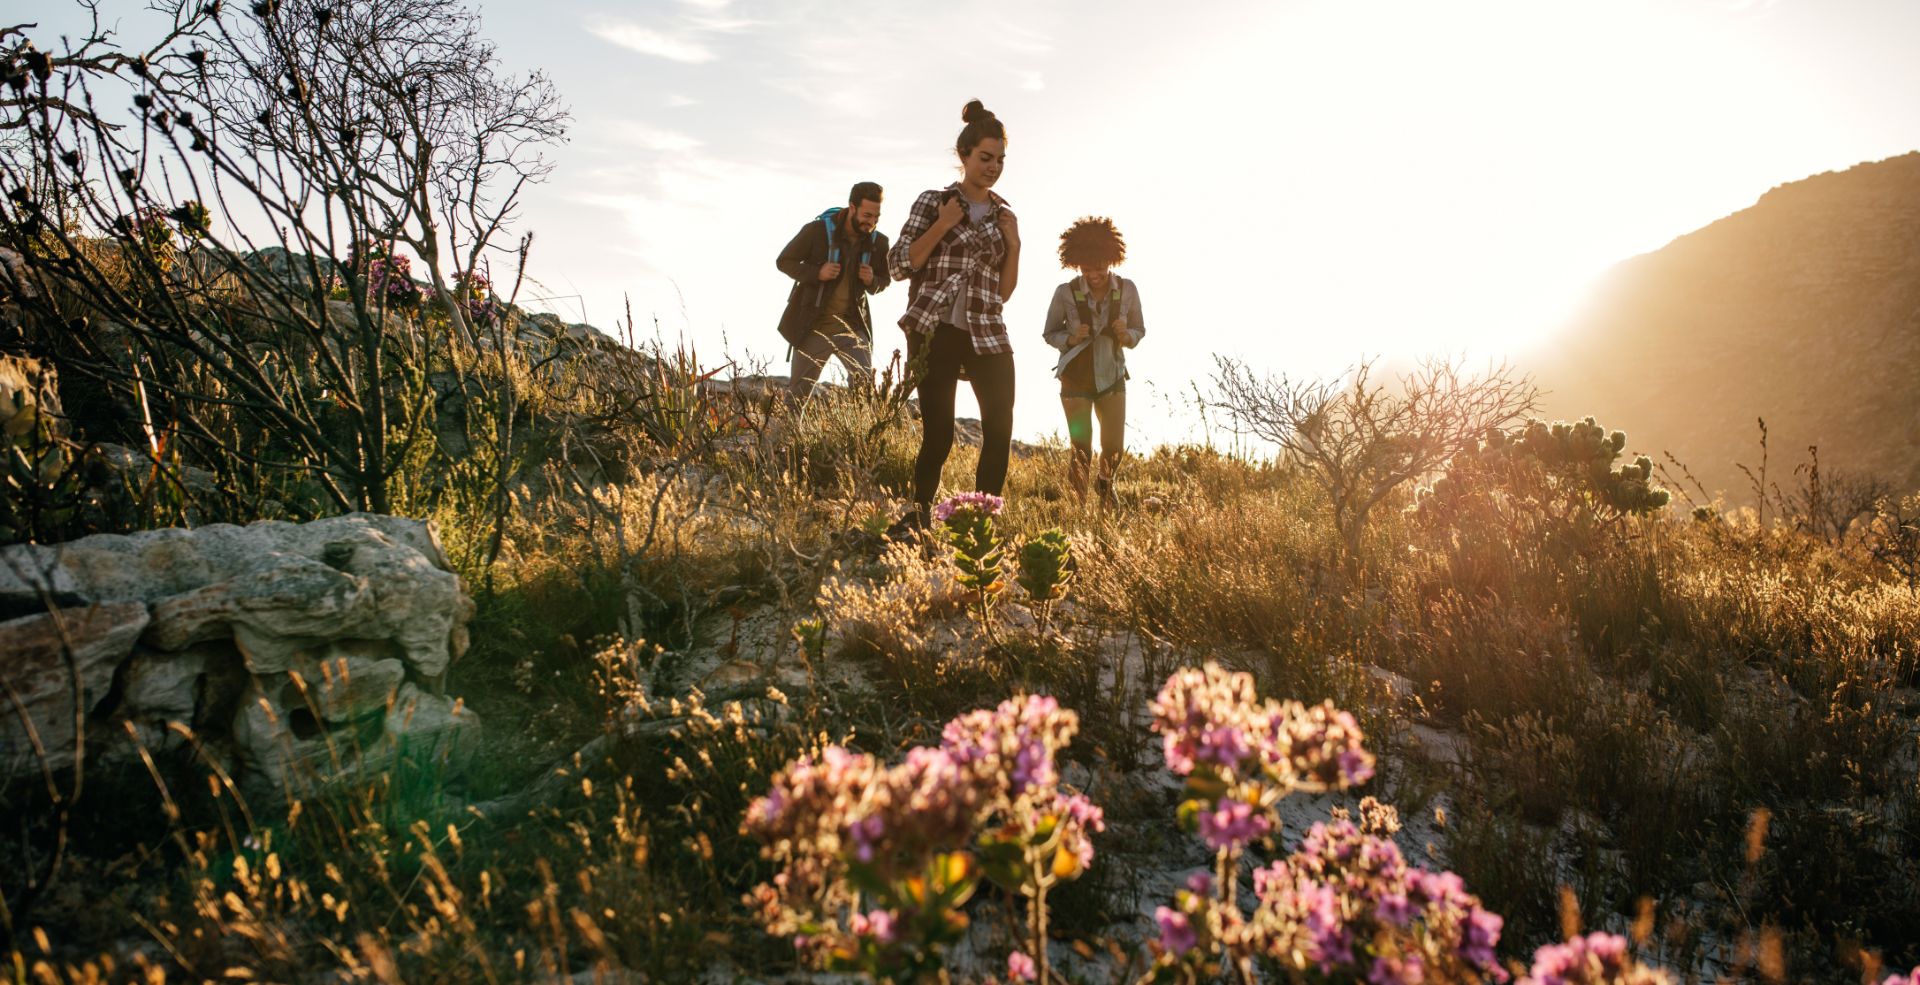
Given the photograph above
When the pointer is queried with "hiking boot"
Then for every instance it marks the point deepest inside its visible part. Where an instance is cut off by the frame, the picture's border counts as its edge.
(912, 526)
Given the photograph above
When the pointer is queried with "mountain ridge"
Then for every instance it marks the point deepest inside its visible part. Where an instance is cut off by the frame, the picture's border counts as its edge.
(1802, 309)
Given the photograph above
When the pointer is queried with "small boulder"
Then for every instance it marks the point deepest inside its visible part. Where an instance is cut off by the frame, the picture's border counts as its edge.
(44, 654)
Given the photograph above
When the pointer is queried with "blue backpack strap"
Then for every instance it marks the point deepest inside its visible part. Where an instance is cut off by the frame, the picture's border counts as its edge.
(833, 244)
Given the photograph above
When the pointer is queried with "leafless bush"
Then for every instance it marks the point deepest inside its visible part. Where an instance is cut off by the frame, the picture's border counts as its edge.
(1361, 439)
(1825, 503)
(1893, 537)
(333, 134)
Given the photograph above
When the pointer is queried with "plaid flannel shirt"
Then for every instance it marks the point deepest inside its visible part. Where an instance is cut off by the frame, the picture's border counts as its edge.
(968, 259)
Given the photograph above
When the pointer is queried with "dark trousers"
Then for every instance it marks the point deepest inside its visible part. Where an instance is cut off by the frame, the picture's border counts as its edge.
(992, 378)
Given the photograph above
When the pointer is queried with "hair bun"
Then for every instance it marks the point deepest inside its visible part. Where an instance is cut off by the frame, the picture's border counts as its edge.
(975, 112)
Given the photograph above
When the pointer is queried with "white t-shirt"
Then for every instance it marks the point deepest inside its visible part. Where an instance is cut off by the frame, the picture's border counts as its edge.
(976, 212)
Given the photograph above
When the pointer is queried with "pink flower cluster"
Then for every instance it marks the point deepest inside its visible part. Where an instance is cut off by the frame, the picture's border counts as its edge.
(842, 818)
(391, 279)
(1599, 959)
(474, 292)
(985, 504)
(1212, 719)
(846, 804)
(1349, 900)
(1243, 754)
(1016, 741)
(1344, 906)
(877, 924)
(1081, 818)
(1233, 824)
(1177, 935)
(1910, 978)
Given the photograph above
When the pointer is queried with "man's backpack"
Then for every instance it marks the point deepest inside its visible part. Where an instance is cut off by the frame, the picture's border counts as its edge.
(833, 241)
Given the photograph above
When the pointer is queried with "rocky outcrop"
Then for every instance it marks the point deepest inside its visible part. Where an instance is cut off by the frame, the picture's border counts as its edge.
(47, 655)
(28, 397)
(14, 279)
(1803, 309)
(297, 651)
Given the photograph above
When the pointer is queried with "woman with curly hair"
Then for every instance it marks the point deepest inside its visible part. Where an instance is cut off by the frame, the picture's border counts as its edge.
(1093, 320)
(961, 249)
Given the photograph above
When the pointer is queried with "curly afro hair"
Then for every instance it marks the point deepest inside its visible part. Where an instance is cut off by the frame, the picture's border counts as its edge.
(1092, 242)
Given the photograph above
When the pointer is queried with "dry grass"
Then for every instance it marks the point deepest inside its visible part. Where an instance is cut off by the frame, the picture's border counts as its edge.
(1621, 713)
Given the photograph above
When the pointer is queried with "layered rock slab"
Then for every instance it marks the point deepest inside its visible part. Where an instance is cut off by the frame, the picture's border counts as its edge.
(297, 652)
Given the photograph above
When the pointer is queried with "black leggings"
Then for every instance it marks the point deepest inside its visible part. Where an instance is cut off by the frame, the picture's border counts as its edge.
(992, 377)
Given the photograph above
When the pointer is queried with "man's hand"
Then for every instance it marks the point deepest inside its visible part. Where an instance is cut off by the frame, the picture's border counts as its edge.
(866, 275)
(829, 271)
(1010, 229)
(951, 212)
(1079, 334)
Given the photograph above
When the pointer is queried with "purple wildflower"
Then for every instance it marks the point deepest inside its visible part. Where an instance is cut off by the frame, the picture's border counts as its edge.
(1479, 935)
(1329, 942)
(1356, 766)
(986, 504)
(1224, 745)
(866, 834)
(1020, 967)
(1233, 825)
(1397, 971)
(1180, 752)
(1394, 909)
(877, 924)
(1443, 889)
(1081, 817)
(1601, 958)
(1176, 931)
(1032, 765)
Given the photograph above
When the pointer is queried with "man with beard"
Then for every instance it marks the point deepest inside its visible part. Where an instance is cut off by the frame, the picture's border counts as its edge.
(832, 262)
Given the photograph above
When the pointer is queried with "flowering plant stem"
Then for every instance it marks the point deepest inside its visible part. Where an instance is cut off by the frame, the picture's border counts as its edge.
(977, 550)
(1227, 882)
(1040, 865)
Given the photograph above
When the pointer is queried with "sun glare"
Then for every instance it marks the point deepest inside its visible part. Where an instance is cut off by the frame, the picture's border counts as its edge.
(1443, 179)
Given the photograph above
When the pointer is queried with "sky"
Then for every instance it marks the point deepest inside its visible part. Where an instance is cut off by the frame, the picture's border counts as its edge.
(1301, 183)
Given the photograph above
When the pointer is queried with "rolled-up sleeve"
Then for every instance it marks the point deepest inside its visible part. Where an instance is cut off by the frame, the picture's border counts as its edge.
(926, 209)
(1058, 325)
(1136, 322)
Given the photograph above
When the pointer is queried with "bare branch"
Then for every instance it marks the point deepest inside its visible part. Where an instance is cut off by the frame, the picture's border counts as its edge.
(1361, 440)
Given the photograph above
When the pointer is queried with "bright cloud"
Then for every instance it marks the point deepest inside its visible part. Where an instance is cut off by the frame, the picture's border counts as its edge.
(648, 41)
(643, 137)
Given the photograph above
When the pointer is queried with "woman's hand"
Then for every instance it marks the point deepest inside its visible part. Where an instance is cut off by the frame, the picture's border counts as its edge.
(1010, 229)
(951, 212)
(1079, 334)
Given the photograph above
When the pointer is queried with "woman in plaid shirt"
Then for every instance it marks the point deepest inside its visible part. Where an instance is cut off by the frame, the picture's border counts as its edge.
(961, 249)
